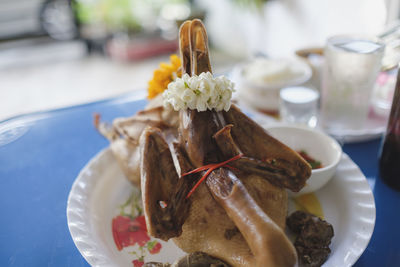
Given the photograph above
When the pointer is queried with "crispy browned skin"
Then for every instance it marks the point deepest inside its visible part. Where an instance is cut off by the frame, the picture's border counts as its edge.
(160, 182)
(282, 172)
(254, 142)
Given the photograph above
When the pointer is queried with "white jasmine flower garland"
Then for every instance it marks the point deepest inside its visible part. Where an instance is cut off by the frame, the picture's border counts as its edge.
(199, 92)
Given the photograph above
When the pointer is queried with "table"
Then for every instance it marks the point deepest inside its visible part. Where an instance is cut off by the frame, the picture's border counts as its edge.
(42, 153)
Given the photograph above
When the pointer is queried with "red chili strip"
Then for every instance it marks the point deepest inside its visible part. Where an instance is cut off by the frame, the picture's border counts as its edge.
(202, 168)
(199, 182)
(210, 168)
(231, 167)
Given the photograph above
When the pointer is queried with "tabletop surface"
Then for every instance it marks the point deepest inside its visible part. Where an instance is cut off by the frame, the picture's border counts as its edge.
(41, 154)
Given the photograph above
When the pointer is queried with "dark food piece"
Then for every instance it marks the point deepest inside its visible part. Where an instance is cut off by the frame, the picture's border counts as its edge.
(297, 220)
(315, 233)
(313, 240)
(199, 259)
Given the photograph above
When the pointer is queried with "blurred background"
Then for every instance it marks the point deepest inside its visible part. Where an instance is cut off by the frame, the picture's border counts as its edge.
(56, 53)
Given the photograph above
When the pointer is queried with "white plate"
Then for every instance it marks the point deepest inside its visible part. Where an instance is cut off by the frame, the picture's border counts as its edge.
(101, 188)
(374, 127)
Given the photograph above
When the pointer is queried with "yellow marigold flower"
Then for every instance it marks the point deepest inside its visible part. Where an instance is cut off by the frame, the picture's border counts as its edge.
(166, 73)
(156, 89)
(167, 67)
(175, 60)
(161, 75)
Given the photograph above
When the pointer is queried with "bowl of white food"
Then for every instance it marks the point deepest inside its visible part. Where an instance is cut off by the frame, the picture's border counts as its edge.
(315, 144)
(260, 81)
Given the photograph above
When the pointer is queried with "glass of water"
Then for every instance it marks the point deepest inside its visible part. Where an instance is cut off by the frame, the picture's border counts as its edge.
(299, 105)
(352, 64)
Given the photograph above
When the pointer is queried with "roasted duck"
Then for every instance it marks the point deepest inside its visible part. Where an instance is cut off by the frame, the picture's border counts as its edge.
(238, 214)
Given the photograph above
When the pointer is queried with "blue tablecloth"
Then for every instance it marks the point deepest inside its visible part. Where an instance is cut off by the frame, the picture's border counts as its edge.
(41, 154)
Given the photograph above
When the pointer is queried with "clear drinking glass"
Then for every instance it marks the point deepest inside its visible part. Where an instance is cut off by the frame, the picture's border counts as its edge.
(299, 105)
(352, 64)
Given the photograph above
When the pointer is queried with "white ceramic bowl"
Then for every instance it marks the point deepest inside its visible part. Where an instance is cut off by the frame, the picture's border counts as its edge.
(265, 95)
(318, 145)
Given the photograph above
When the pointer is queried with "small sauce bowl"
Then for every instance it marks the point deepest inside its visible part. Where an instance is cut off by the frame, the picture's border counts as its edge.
(318, 145)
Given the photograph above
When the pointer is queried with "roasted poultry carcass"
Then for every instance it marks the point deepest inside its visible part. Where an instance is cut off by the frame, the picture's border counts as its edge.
(238, 214)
